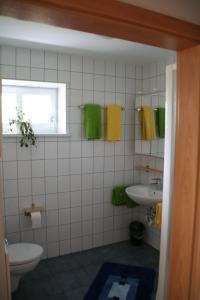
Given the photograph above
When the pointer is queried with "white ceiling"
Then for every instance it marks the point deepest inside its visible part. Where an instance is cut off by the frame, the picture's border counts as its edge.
(187, 10)
(29, 34)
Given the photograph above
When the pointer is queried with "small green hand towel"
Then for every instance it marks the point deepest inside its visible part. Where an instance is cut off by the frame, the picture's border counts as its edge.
(160, 121)
(92, 121)
(130, 203)
(119, 197)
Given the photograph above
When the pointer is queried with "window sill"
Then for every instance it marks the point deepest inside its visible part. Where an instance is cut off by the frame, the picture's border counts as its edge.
(13, 135)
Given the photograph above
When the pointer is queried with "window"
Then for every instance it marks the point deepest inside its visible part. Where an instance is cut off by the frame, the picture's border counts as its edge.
(43, 103)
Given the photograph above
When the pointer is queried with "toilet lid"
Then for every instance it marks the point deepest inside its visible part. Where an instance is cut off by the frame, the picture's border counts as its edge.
(21, 253)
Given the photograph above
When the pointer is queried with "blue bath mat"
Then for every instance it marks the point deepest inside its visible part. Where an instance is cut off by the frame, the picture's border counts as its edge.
(122, 282)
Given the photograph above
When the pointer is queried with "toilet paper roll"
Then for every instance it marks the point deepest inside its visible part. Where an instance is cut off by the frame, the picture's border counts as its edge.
(36, 219)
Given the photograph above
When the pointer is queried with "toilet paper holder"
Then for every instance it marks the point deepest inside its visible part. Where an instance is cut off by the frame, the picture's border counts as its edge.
(29, 210)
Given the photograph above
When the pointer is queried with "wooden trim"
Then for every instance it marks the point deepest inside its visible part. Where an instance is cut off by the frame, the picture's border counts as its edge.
(107, 17)
(186, 188)
(195, 269)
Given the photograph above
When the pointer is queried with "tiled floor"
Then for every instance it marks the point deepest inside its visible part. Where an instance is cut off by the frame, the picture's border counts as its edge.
(68, 277)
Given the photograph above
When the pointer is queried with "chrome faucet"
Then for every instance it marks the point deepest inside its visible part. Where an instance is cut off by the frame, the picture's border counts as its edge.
(157, 183)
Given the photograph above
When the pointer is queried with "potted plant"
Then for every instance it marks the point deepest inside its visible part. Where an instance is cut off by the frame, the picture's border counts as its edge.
(25, 128)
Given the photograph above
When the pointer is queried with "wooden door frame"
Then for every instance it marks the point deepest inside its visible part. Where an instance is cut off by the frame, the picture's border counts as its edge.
(120, 20)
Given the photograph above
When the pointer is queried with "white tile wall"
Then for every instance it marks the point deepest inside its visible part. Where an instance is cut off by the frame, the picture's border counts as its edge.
(72, 177)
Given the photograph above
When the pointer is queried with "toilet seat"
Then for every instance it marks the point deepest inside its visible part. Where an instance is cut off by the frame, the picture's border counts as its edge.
(23, 253)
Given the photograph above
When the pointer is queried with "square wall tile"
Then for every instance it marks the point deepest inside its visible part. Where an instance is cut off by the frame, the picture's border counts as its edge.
(87, 242)
(23, 153)
(64, 216)
(38, 168)
(99, 83)
(50, 150)
(64, 232)
(88, 82)
(75, 167)
(24, 187)
(37, 74)
(75, 182)
(98, 180)
(52, 234)
(75, 198)
(23, 57)
(63, 149)
(75, 97)
(50, 60)
(63, 166)
(51, 167)
(87, 148)
(63, 62)
(76, 80)
(50, 75)
(9, 151)
(76, 245)
(37, 58)
(38, 186)
(24, 169)
(76, 63)
(64, 200)
(76, 230)
(110, 68)
(88, 65)
(75, 214)
(52, 217)
(75, 149)
(98, 164)
(120, 70)
(11, 206)
(98, 240)
(87, 165)
(51, 185)
(8, 55)
(10, 170)
(99, 66)
(65, 247)
(52, 201)
(38, 151)
(12, 224)
(87, 213)
(87, 227)
(8, 72)
(87, 181)
(87, 197)
(23, 73)
(63, 184)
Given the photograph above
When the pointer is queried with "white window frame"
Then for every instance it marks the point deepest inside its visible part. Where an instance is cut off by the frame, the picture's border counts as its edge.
(59, 126)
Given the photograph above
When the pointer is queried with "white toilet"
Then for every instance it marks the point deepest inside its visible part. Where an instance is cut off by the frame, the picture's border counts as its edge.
(23, 257)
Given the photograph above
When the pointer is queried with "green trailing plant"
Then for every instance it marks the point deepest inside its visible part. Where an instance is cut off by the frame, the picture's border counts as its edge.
(25, 128)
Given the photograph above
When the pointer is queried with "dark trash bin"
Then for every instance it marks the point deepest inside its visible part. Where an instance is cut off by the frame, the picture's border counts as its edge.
(136, 232)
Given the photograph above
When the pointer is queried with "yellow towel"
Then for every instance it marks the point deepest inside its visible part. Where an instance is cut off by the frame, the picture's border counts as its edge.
(114, 122)
(148, 123)
(158, 216)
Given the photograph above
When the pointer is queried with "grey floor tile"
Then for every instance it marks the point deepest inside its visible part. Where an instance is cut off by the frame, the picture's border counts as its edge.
(62, 264)
(77, 294)
(68, 277)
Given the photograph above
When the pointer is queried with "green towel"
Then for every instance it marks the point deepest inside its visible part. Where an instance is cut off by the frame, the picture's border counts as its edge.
(92, 121)
(160, 121)
(130, 203)
(119, 197)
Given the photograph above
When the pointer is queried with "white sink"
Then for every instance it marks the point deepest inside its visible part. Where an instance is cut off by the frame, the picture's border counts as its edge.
(144, 194)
